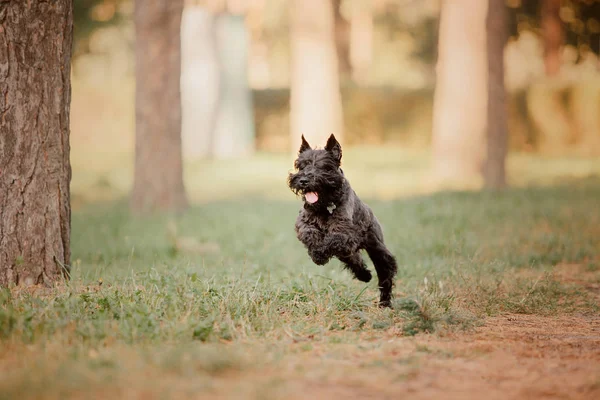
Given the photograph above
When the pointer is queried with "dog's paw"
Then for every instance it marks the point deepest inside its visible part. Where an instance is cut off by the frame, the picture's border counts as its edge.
(385, 303)
(363, 275)
(319, 257)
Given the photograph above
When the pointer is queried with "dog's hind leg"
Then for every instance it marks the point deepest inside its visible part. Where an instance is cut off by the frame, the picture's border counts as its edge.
(386, 267)
(356, 264)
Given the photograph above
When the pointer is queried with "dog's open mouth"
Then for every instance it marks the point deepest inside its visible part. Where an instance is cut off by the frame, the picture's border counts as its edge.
(311, 197)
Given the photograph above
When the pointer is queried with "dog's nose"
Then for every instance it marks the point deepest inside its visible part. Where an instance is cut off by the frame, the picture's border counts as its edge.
(303, 181)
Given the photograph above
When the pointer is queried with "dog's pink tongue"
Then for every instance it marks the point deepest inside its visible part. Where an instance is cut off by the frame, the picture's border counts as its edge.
(311, 197)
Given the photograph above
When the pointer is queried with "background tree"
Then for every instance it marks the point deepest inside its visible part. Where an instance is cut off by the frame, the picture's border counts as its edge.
(459, 110)
(90, 15)
(559, 23)
(497, 128)
(361, 40)
(552, 35)
(218, 114)
(342, 39)
(548, 96)
(315, 104)
(158, 177)
(200, 81)
(234, 130)
(35, 173)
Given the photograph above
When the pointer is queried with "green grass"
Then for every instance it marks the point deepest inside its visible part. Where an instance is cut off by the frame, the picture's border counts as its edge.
(171, 304)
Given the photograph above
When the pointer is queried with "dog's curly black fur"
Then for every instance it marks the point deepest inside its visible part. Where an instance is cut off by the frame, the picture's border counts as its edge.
(338, 224)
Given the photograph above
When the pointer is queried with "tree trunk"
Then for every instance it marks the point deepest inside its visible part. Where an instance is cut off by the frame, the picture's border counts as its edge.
(552, 34)
(460, 101)
(361, 40)
(556, 127)
(234, 131)
(199, 82)
(548, 115)
(342, 39)
(35, 172)
(497, 126)
(158, 178)
(585, 102)
(316, 103)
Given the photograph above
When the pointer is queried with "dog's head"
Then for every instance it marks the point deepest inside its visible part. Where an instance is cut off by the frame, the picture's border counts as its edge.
(318, 177)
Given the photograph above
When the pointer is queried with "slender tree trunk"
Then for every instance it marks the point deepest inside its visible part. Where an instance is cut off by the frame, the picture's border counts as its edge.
(234, 130)
(316, 103)
(342, 39)
(199, 82)
(497, 126)
(585, 101)
(552, 34)
(547, 108)
(460, 101)
(35, 172)
(361, 40)
(158, 179)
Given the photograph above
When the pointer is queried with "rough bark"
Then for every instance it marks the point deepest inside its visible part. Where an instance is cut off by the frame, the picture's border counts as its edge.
(158, 177)
(35, 172)
(199, 82)
(552, 35)
(316, 103)
(234, 133)
(497, 125)
(460, 100)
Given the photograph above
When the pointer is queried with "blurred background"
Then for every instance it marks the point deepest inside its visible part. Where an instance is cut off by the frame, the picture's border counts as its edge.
(257, 73)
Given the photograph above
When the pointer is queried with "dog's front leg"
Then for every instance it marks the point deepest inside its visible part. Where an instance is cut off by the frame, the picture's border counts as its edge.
(341, 240)
(313, 240)
(340, 244)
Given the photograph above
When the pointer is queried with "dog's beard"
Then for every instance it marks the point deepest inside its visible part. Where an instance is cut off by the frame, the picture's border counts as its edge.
(325, 187)
(310, 195)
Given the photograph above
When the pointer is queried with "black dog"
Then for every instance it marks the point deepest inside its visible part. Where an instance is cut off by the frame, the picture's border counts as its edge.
(334, 222)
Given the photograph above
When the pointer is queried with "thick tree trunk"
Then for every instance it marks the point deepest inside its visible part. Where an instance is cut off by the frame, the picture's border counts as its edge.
(552, 34)
(316, 103)
(199, 82)
(158, 179)
(35, 172)
(497, 125)
(460, 101)
(234, 130)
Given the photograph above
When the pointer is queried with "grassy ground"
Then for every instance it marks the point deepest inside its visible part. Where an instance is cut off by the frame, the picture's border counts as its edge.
(224, 302)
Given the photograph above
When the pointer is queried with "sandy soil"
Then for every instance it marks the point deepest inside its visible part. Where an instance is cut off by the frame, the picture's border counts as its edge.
(509, 357)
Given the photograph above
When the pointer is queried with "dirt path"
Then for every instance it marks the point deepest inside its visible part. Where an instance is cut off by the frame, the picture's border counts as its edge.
(511, 357)
(517, 357)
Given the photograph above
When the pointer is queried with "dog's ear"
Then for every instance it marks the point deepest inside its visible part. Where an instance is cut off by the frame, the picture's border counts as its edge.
(334, 147)
(304, 146)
